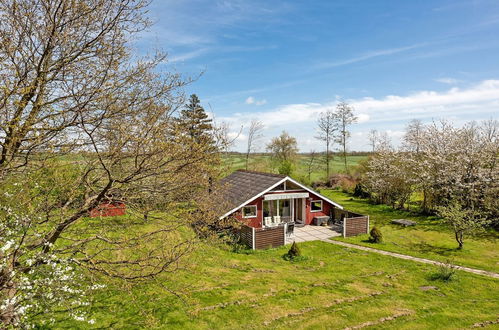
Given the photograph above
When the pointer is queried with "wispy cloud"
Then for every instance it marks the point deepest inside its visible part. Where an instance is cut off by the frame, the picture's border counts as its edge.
(188, 55)
(216, 49)
(367, 56)
(448, 81)
(194, 22)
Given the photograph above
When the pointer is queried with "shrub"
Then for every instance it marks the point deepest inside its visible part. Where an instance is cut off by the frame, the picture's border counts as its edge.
(446, 272)
(347, 185)
(285, 168)
(376, 235)
(360, 191)
(294, 253)
(241, 248)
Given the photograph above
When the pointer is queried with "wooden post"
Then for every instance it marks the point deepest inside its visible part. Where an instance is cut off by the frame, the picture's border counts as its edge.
(252, 238)
(285, 230)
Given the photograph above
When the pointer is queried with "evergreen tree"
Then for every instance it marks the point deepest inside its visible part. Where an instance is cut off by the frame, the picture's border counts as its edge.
(195, 122)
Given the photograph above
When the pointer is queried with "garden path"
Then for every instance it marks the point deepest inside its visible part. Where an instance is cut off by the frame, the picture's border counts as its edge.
(404, 256)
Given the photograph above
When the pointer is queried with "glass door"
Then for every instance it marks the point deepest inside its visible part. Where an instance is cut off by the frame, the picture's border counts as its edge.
(299, 211)
(285, 210)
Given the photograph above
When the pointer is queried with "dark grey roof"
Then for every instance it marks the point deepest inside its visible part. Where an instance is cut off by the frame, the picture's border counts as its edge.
(242, 185)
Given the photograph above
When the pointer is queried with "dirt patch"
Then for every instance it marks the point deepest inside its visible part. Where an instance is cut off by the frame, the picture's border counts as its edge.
(485, 324)
(428, 288)
(331, 304)
(400, 313)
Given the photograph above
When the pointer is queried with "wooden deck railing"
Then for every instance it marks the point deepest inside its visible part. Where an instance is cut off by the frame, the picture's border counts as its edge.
(262, 238)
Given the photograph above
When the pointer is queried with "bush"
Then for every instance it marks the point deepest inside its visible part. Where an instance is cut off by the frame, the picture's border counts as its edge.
(360, 191)
(446, 272)
(285, 168)
(376, 235)
(294, 253)
(241, 248)
(347, 185)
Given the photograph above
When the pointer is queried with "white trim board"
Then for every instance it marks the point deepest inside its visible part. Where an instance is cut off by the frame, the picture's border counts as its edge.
(273, 197)
(275, 185)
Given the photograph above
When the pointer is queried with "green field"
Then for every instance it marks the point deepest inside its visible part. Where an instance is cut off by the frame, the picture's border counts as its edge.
(428, 239)
(261, 162)
(332, 288)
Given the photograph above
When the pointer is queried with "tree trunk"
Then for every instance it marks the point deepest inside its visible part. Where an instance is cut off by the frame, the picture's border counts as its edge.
(459, 239)
(9, 316)
(327, 162)
(424, 201)
(345, 154)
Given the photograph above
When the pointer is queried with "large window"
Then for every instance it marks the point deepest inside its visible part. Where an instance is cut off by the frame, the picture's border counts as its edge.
(284, 208)
(249, 211)
(277, 208)
(316, 206)
(269, 208)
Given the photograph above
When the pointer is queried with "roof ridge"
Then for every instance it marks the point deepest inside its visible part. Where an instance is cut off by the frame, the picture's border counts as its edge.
(263, 173)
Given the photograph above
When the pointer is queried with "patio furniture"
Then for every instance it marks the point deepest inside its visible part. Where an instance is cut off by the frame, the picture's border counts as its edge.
(320, 220)
(290, 230)
(277, 220)
(268, 221)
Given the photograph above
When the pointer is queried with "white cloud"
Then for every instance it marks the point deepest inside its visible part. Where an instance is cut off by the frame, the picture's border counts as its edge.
(449, 81)
(237, 136)
(252, 100)
(482, 98)
(389, 113)
(362, 118)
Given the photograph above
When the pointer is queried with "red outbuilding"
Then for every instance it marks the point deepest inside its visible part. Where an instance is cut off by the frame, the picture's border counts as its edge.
(109, 209)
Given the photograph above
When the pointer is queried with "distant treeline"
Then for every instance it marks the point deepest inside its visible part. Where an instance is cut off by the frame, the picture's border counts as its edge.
(351, 153)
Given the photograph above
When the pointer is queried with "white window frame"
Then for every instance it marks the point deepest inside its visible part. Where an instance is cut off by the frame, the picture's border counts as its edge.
(251, 216)
(315, 201)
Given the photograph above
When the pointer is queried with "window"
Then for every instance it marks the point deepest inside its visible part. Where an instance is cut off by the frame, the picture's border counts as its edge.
(249, 211)
(284, 208)
(269, 208)
(279, 187)
(316, 206)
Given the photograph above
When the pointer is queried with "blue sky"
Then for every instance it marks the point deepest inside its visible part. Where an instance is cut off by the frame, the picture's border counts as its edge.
(283, 62)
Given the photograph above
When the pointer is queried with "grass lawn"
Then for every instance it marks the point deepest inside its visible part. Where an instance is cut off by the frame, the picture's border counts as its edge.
(428, 239)
(333, 288)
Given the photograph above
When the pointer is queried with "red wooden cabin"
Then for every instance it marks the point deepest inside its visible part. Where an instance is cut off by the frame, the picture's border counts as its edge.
(109, 209)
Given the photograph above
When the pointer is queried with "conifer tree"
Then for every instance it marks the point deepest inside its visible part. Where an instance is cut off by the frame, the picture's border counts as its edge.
(195, 122)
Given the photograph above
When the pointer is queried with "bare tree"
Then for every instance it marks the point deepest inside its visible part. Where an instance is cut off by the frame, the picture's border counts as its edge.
(490, 130)
(344, 117)
(311, 164)
(82, 123)
(254, 134)
(413, 134)
(384, 142)
(327, 128)
(373, 139)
